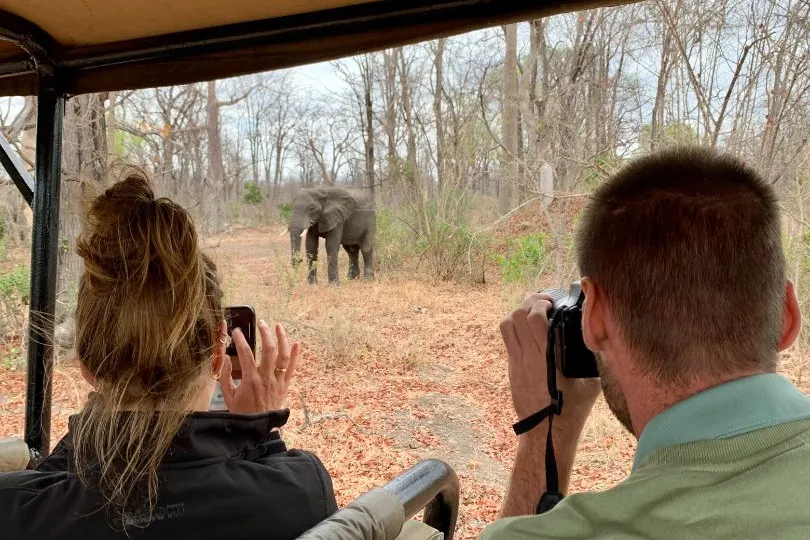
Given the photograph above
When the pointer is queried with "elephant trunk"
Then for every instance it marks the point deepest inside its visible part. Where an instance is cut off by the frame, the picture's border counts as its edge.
(295, 243)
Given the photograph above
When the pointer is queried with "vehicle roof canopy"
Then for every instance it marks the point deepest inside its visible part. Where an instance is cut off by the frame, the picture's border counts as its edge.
(104, 45)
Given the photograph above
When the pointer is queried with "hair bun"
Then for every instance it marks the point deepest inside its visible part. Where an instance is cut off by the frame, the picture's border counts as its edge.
(134, 188)
(134, 240)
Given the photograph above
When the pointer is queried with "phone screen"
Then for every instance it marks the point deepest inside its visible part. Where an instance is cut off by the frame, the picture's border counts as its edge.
(244, 318)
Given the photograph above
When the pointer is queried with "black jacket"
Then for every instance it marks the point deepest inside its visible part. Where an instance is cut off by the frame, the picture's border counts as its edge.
(226, 477)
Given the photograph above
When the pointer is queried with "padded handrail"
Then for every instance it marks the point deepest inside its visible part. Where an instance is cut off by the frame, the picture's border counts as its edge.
(433, 485)
(14, 455)
(376, 515)
(380, 514)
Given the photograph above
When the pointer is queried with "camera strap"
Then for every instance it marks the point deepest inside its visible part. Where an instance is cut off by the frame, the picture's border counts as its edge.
(552, 495)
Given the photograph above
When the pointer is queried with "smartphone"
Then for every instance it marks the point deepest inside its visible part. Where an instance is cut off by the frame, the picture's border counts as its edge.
(243, 318)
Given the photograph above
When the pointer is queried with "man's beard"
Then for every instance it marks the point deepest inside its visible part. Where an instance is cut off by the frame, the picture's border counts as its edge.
(613, 395)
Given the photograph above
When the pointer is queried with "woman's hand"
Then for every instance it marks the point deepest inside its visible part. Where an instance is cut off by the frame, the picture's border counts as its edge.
(264, 386)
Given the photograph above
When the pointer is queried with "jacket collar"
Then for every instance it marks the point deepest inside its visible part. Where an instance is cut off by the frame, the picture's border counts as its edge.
(218, 434)
(203, 435)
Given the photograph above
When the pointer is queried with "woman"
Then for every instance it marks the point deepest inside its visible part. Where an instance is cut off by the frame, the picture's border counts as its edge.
(145, 458)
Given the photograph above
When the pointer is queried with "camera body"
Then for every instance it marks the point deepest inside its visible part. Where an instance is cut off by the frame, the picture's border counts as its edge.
(573, 358)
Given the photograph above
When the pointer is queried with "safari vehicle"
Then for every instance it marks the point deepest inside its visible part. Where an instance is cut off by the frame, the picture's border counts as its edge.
(61, 48)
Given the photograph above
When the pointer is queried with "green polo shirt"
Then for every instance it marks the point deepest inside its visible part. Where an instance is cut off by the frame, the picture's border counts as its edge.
(730, 462)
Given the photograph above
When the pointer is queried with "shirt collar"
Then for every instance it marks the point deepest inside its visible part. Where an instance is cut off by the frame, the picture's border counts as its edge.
(726, 410)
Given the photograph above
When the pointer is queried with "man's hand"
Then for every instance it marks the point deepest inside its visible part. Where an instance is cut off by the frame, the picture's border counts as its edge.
(525, 333)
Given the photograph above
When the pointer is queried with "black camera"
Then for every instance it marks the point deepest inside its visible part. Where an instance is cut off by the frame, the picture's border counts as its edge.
(573, 358)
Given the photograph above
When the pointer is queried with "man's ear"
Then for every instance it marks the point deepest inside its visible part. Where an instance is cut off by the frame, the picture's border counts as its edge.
(791, 318)
(86, 375)
(594, 330)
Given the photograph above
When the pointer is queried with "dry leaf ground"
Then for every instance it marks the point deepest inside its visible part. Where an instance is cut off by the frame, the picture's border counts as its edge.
(393, 371)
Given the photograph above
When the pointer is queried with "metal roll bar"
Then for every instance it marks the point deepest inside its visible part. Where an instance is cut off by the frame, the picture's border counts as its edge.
(432, 485)
(384, 514)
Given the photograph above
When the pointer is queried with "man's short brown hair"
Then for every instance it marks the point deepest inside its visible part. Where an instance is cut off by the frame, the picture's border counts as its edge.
(687, 246)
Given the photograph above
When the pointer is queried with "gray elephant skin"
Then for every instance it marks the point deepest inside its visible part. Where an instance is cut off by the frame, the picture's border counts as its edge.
(341, 216)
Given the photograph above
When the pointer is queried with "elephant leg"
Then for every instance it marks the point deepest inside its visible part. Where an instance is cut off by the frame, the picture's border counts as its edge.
(354, 261)
(332, 250)
(312, 257)
(368, 262)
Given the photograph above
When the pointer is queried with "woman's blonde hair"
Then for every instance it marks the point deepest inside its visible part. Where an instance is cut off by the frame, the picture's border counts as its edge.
(147, 315)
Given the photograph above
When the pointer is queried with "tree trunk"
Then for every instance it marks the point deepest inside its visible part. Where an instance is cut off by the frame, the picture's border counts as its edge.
(523, 192)
(509, 163)
(277, 172)
(438, 66)
(213, 186)
(369, 116)
(407, 112)
(657, 115)
(112, 151)
(390, 68)
(530, 120)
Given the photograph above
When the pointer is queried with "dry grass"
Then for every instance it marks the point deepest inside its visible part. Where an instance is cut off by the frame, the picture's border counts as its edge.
(393, 371)
(375, 350)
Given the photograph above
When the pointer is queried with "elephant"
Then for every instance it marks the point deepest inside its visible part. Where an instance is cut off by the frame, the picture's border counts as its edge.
(341, 216)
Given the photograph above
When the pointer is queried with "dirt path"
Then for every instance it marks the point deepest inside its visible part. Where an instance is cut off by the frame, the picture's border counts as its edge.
(398, 370)
(394, 371)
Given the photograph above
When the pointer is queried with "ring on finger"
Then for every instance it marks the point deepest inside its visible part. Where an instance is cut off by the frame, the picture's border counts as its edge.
(281, 370)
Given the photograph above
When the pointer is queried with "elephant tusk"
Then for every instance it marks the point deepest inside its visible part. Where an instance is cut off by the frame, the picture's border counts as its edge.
(285, 231)
(304, 232)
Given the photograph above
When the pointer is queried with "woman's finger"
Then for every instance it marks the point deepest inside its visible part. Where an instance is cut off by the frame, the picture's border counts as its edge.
(295, 351)
(246, 360)
(283, 358)
(268, 350)
(226, 383)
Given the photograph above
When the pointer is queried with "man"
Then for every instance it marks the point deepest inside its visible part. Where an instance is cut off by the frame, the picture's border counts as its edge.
(687, 307)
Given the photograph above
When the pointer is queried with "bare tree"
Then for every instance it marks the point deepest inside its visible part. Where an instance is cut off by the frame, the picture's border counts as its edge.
(438, 96)
(509, 127)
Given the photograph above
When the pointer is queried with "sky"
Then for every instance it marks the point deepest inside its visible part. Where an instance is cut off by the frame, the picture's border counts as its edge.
(318, 76)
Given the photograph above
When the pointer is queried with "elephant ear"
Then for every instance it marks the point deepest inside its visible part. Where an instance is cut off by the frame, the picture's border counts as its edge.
(337, 208)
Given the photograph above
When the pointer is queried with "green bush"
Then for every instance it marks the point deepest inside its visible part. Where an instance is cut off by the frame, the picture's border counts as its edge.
(253, 195)
(604, 165)
(392, 245)
(524, 260)
(14, 295)
(285, 209)
(233, 209)
(441, 235)
(14, 285)
(446, 248)
(13, 358)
